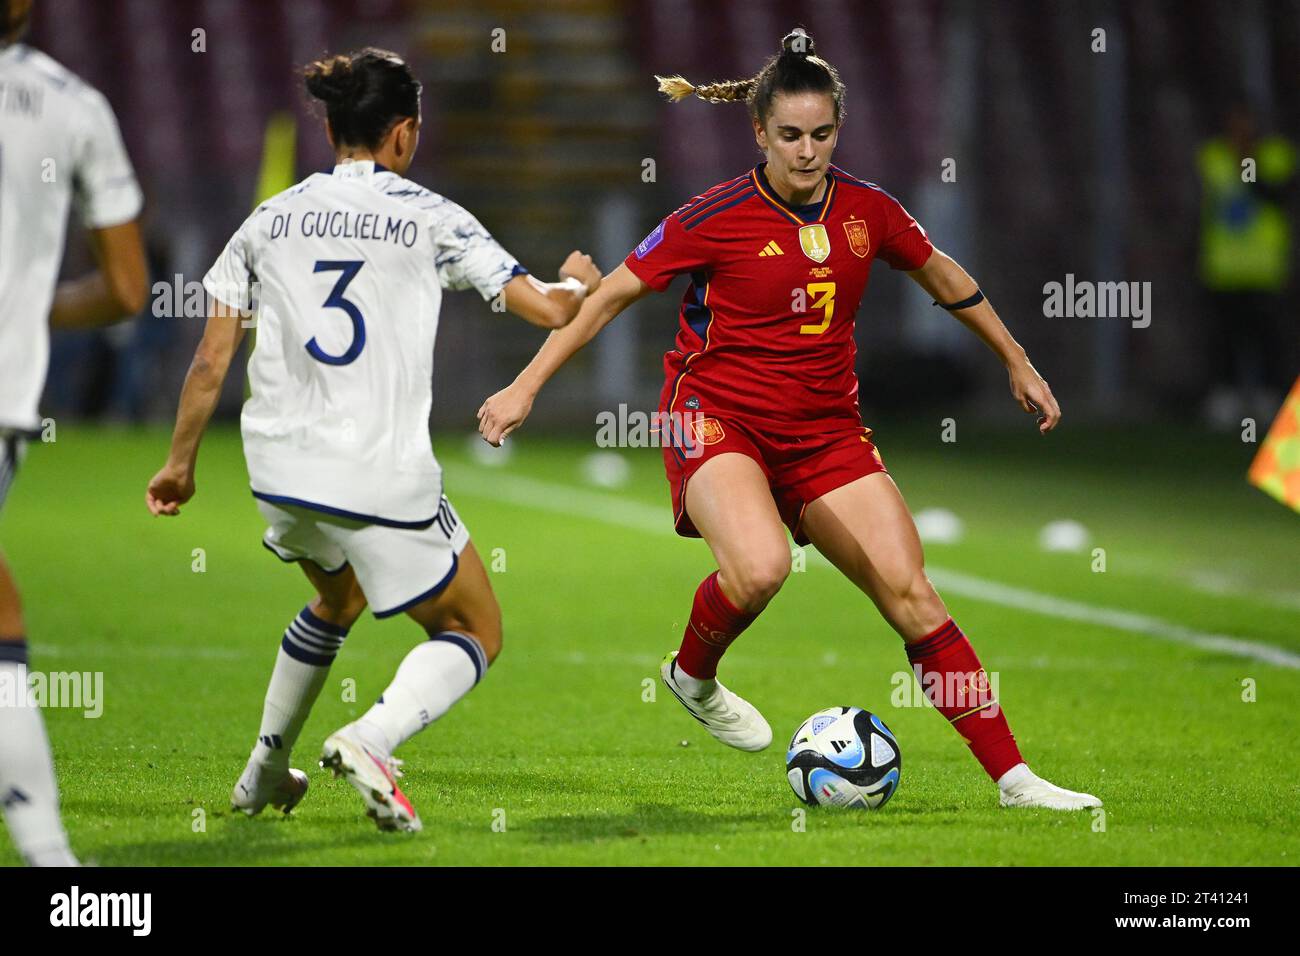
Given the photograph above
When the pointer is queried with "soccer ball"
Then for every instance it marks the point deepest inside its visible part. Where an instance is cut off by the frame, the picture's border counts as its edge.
(844, 757)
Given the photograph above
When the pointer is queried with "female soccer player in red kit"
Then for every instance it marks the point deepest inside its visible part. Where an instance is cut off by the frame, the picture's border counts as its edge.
(761, 394)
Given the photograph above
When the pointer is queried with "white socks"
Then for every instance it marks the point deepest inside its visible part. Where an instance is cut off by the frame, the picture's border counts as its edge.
(1013, 778)
(429, 680)
(301, 667)
(696, 688)
(29, 793)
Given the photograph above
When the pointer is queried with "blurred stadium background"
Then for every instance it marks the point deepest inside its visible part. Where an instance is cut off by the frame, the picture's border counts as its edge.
(1067, 161)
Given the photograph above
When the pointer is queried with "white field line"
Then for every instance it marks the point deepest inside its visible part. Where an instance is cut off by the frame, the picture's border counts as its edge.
(578, 502)
(1215, 582)
(982, 589)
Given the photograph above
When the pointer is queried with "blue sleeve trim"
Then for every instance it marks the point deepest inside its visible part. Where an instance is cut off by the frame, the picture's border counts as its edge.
(730, 192)
(746, 194)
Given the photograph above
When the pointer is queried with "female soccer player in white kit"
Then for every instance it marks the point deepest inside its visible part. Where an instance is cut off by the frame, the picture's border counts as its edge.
(59, 147)
(348, 269)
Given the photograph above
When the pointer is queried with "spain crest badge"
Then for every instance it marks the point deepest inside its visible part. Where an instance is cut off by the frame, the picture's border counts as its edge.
(707, 431)
(859, 241)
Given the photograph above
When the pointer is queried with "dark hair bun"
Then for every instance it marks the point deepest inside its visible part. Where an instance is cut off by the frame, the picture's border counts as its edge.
(365, 92)
(332, 80)
(798, 42)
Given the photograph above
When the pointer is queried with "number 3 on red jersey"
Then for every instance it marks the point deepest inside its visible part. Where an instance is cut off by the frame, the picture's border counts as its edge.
(825, 301)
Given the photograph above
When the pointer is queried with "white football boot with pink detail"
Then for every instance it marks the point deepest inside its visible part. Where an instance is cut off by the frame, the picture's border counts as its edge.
(374, 772)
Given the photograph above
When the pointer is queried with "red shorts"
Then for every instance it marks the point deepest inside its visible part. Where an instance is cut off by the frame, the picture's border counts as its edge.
(799, 470)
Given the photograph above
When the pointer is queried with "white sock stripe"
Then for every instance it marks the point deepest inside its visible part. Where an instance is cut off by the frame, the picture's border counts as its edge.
(311, 642)
(310, 628)
(325, 640)
(309, 647)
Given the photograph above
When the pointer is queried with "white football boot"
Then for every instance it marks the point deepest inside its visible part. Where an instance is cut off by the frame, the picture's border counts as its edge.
(256, 789)
(374, 773)
(732, 719)
(1021, 787)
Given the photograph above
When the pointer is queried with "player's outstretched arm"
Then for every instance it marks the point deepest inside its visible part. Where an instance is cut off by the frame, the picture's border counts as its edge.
(552, 305)
(505, 411)
(116, 290)
(174, 483)
(947, 283)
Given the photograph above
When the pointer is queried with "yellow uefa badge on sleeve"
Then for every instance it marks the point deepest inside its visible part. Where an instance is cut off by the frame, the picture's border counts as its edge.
(815, 242)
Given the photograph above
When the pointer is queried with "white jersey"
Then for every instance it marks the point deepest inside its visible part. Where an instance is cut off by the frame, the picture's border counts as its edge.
(349, 270)
(59, 143)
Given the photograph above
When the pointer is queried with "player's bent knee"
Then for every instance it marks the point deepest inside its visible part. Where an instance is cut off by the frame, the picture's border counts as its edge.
(922, 594)
(756, 581)
(915, 608)
(908, 587)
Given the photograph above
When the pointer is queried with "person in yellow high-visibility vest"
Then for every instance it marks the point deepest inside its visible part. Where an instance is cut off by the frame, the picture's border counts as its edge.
(1246, 256)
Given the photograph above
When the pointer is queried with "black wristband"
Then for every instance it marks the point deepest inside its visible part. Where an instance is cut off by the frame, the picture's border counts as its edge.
(966, 303)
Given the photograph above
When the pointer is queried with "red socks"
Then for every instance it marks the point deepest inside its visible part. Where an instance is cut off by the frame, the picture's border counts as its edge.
(715, 622)
(954, 681)
(947, 669)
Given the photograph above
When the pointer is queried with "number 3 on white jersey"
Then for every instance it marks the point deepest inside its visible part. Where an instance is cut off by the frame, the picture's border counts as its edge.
(349, 269)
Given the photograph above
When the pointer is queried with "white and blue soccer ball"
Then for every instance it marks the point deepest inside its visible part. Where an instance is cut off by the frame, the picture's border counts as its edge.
(844, 757)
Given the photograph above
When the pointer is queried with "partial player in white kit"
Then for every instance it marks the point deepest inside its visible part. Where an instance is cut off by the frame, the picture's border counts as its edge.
(59, 147)
(345, 271)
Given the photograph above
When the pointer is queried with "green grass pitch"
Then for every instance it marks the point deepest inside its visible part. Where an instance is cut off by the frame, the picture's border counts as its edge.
(559, 743)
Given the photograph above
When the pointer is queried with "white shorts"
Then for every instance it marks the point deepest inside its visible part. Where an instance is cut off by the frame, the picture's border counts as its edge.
(397, 568)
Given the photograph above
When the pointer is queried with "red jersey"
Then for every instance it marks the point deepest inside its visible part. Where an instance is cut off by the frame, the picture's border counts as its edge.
(766, 325)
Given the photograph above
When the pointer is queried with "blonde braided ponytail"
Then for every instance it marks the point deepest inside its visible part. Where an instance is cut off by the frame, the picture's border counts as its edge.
(796, 69)
(720, 91)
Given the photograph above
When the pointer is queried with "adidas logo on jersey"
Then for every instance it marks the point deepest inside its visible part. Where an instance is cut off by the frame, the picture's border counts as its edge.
(771, 249)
